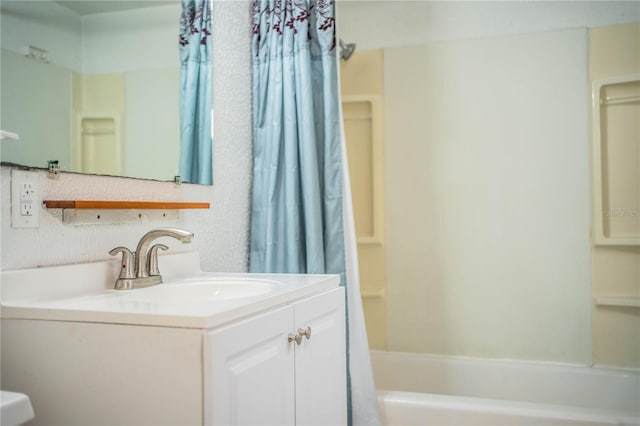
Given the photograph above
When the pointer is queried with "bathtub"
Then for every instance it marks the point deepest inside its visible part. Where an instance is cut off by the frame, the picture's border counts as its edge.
(418, 389)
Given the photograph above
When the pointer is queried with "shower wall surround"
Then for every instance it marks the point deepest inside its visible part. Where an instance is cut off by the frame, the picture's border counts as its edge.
(487, 177)
(614, 51)
(488, 225)
(221, 232)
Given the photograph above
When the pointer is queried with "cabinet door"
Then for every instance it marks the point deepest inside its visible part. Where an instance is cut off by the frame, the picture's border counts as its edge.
(249, 378)
(320, 365)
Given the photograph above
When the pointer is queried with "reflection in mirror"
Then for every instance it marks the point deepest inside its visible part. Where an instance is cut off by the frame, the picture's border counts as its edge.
(195, 92)
(94, 85)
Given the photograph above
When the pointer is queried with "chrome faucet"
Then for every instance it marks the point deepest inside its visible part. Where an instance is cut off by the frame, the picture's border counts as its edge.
(145, 272)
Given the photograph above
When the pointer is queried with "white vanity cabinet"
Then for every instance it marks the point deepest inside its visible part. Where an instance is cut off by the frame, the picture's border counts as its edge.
(256, 373)
(83, 361)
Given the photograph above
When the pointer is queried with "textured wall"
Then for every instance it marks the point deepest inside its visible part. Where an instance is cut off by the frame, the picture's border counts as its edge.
(221, 232)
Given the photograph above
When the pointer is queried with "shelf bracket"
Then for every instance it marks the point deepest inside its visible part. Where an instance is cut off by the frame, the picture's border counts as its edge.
(98, 216)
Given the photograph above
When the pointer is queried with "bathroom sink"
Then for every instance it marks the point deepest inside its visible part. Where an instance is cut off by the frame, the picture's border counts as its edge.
(188, 297)
(201, 289)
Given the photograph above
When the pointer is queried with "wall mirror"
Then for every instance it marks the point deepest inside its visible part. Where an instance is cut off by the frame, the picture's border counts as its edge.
(94, 85)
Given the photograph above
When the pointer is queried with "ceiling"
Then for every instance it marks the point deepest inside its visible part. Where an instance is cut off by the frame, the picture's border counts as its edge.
(89, 7)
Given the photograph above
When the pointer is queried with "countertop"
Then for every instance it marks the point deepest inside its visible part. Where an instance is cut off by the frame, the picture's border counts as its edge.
(83, 293)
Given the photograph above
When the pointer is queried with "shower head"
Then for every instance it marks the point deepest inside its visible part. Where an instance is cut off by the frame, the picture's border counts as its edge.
(347, 49)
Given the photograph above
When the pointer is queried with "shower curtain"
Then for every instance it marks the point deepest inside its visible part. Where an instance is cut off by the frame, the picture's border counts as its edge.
(195, 92)
(302, 220)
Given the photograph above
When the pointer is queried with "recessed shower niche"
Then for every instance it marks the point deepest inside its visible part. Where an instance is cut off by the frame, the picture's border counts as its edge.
(363, 130)
(99, 145)
(616, 157)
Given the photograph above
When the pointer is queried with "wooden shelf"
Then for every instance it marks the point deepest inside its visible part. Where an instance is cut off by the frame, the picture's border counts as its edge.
(121, 205)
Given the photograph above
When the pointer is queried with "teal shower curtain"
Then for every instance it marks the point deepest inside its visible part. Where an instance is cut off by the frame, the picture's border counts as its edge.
(297, 183)
(299, 211)
(195, 93)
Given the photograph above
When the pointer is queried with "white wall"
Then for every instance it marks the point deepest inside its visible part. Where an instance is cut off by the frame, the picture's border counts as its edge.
(136, 39)
(487, 178)
(221, 232)
(374, 24)
(110, 42)
(42, 89)
(152, 102)
(487, 172)
(45, 90)
(61, 36)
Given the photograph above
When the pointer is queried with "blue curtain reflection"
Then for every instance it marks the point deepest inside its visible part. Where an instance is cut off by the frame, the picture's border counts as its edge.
(196, 93)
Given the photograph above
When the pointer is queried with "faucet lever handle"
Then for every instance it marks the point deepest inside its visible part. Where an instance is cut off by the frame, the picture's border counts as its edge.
(153, 259)
(127, 268)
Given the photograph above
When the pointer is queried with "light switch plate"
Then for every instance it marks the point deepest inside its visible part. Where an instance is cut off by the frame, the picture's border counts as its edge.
(25, 199)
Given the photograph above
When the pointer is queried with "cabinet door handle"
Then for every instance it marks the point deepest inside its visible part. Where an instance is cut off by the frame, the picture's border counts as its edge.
(306, 333)
(298, 337)
(291, 337)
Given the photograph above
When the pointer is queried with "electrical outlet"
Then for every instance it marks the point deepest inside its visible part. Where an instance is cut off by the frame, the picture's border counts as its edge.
(24, 199)
(27, 194)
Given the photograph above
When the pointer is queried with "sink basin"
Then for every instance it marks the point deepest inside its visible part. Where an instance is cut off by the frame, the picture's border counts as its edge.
(189, 297)
(200, 289)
